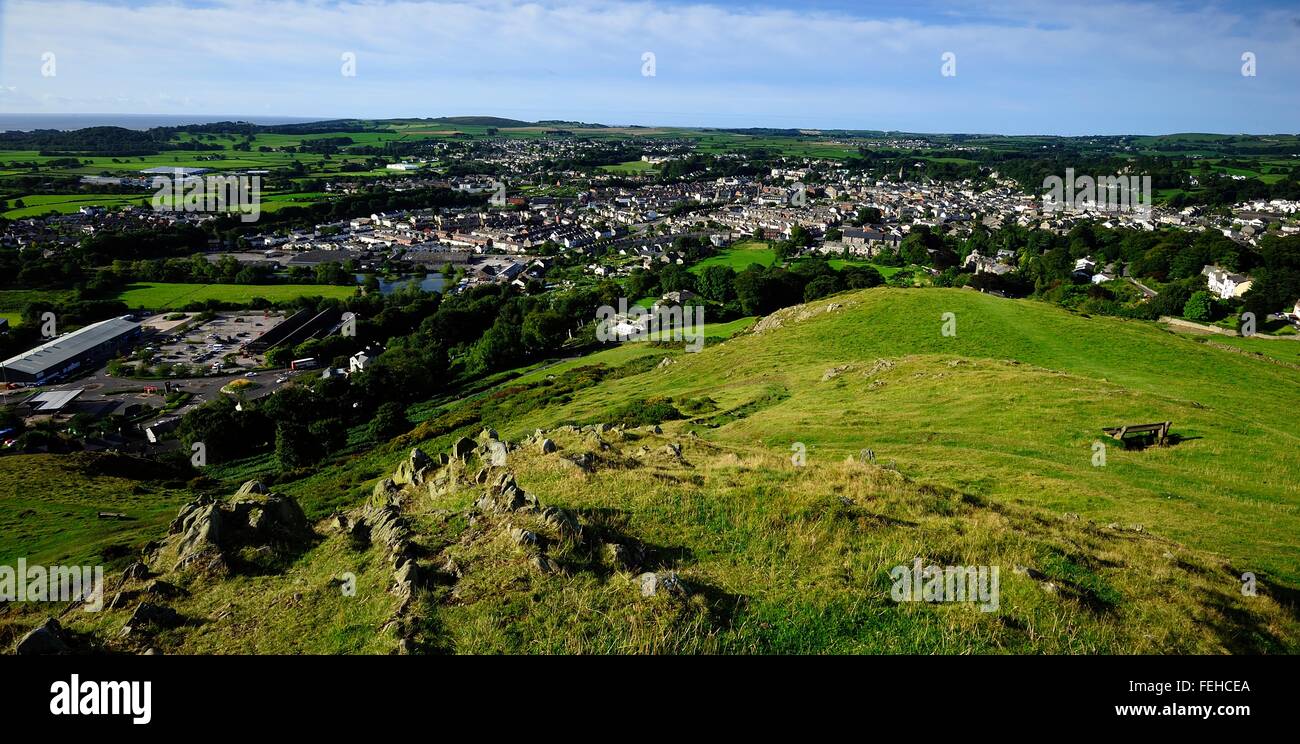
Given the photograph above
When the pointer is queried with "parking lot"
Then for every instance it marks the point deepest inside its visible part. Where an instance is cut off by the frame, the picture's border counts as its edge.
(214, 345)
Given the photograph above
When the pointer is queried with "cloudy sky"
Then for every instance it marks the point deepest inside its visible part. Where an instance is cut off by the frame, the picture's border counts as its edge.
(1021, 67)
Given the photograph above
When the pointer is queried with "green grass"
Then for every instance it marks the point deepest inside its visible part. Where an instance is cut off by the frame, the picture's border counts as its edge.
(631, 167)
(49, 508)
(992, 432)
(740, 256)
(163, 296)
(12, 301)
(885, 271)
(1021, 432)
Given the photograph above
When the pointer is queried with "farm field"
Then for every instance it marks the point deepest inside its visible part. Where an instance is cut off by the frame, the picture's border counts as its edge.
(165, 296)
(635, 167)
(740, 256)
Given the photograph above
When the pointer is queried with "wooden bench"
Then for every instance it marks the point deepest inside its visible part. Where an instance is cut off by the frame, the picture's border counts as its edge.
(1161, 430)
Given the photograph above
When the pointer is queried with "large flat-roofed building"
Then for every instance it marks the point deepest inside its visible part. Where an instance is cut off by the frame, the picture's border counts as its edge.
(55, 359)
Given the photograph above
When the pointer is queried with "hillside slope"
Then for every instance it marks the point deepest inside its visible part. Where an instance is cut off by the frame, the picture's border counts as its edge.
(983, 449)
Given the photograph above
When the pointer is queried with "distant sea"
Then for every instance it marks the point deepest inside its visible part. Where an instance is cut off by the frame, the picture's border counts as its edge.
(28, 122)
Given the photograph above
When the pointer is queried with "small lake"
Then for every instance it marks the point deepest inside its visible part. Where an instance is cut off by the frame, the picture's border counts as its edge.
(430, 282)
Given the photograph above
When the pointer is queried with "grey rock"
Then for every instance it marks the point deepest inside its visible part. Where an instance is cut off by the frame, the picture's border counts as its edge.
(461, 448)
(250, 488)
(523, 537)
(497, 454)
(548, 446)
(148, 615)
(653, 584)
(47, 639)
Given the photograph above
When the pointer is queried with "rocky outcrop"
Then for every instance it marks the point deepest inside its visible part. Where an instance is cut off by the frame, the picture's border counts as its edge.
(412, 470)
(251, 488)
(495, 453)
(462, 448)
(205, 533)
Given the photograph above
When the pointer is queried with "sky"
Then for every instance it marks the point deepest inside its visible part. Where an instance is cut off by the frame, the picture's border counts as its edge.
(1012, 67)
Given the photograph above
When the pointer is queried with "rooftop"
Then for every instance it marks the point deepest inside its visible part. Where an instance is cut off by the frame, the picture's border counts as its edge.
(66, 347)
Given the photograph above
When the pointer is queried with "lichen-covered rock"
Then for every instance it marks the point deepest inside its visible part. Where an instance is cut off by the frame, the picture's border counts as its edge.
(251, 488)
(205, 532)
(413, 469)
(385, 492)
(653, 584)
(496, 454)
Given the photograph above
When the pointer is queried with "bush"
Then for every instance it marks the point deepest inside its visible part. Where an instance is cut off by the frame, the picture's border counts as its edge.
(1200, 306)
(646, 412)
(389, 421)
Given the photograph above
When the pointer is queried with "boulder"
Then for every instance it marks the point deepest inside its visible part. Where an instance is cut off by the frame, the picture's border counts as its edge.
(462, 448)
(586, 462)
(411, 471)
(497, 454)
(386, 492)
(46, 639)
(653, 584)
(562, 522)
(251, 488)
(522, 537)
(406, 577)
(200, 535)
(148, 615)
(164, 590)
(548, 446)
(542, 564)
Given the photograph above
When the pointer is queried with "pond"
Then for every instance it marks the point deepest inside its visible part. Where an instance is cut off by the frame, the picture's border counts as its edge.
(430, 282)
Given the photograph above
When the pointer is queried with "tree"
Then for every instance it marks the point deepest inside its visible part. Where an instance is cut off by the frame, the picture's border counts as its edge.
(389, 421)
(820, 286)
(717, 283)
(1200, 306)
(294, 447)
(861, 277)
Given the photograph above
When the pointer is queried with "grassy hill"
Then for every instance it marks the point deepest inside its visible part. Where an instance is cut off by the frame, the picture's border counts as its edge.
(984, 455)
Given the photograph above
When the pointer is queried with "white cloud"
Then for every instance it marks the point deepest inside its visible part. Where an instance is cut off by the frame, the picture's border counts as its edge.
(1082, 67)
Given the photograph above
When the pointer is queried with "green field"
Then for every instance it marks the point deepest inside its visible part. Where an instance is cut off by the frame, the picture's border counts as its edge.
(50, 506)
(631, 167)
(740, 256)
(885, 271)
(162, 296)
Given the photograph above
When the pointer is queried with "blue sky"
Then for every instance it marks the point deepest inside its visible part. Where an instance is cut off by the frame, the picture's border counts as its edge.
(1021, 67)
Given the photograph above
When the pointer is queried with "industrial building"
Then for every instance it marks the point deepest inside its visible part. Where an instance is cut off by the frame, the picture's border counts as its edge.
(66, 354)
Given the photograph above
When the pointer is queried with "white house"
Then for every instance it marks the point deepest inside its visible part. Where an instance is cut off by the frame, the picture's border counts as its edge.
(358, 361)
(1225, 284)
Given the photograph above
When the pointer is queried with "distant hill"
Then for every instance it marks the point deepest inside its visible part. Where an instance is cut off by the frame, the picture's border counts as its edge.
(483, 121)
